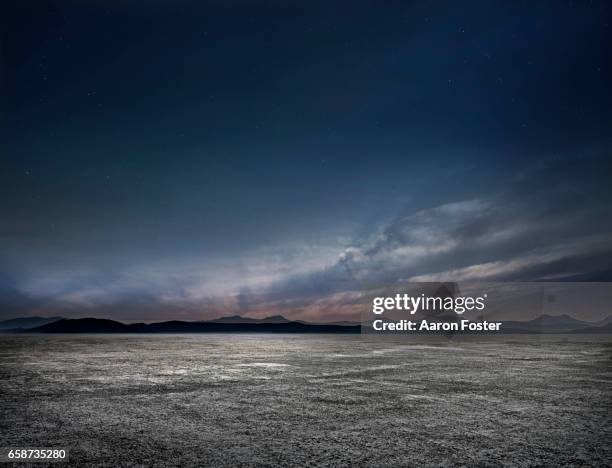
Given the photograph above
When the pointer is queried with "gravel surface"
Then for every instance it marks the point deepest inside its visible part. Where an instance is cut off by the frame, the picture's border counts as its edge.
(265, 400)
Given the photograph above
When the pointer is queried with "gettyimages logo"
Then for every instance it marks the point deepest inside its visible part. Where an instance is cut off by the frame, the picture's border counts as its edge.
(428, 307)
(413, 304)
(570, 309)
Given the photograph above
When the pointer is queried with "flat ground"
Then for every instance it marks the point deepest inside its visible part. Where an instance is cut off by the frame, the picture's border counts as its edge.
(263, 400)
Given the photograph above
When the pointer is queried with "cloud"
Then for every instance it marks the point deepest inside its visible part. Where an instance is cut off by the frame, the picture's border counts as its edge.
(545, 233)
(505, 238)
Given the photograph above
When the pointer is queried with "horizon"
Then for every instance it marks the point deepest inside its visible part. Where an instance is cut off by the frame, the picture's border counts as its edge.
(537, 317)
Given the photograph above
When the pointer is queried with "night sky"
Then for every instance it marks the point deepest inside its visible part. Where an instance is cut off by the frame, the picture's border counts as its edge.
(195, 159)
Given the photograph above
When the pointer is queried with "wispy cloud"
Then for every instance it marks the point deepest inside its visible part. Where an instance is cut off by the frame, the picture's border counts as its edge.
(505, 237)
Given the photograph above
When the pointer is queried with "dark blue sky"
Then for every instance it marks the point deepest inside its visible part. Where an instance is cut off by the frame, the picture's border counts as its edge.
(192, 159)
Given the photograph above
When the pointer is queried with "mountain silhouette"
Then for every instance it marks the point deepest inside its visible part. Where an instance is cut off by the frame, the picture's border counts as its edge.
(547, 324)
(84, 325)
(93, 325)
(595, 330)
(279, 324)
(26, 322)
(239, 319)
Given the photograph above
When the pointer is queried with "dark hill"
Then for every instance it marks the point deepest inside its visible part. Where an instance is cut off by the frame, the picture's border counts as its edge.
(239, 319)
(177, 326)
(546, 324)
(84, 325)
(92, 325)
(26, 322)
(232, 319)
(594, 330)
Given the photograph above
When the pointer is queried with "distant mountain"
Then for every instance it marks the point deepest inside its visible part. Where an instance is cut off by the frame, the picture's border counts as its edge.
(278, 324)
(275, 319)
(343, 323)
(232, 319)
(26, 322)
(594, 330)
(93, 325)
(546, 324)
(84, 325)
(239, 319)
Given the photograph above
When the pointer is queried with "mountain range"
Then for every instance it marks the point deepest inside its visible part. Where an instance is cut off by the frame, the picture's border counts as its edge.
(272, 324)
(549, 324)
(26, 322)
(95, 325)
